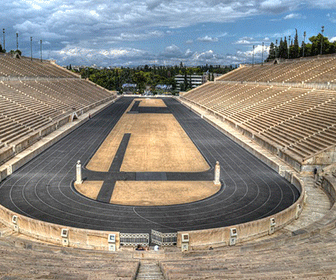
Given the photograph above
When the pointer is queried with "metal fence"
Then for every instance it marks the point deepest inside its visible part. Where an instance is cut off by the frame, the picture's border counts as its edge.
(163, 239)
(134, 239)
(144, 239)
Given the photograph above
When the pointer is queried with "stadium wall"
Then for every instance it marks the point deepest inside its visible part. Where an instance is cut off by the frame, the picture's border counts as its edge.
(52, 233)
(328, 186)
(250, 230)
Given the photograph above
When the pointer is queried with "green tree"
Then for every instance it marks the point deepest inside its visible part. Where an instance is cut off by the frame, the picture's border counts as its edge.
(295, 49)
(283, 49)
(271, 52)
(140, 79)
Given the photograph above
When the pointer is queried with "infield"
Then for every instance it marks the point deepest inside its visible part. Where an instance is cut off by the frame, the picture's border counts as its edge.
(158, 144)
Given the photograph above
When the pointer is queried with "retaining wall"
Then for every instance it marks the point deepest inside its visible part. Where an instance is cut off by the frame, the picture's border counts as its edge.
(247, 231)
(328, 186)
(51, 233)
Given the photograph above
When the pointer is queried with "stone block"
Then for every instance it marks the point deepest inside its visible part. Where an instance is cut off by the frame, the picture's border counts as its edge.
(6, 153)
(25, 142)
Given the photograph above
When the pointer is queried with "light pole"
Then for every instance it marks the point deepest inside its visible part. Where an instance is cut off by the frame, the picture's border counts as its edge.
(253, 56)
(262, 53)
(322, 39)
(289, 38)
(4, 39)
(41, 49)
(17, 41)
(31, 48)
(304, 42)
(276, 48)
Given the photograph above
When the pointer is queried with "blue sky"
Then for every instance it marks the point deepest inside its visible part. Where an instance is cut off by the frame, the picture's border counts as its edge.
(161, 32)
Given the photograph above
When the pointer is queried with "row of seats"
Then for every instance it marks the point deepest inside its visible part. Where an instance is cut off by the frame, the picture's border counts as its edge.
(298, 120)
(309, 258)
(25, 67)
(321, 69)
(26, 106)
(29, 260)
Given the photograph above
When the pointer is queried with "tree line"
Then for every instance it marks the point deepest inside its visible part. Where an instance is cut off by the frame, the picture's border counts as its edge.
(11, 51)
(291, 48)
(147, 76)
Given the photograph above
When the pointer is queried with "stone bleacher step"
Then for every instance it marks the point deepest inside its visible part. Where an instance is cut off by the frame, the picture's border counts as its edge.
(299, 150)
(8, 128)
(149, 271)
(9, 138)
(12, 130)
(319, 182)
(319, 142)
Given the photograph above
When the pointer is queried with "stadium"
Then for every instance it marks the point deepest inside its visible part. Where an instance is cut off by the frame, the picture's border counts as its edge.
(233, 179)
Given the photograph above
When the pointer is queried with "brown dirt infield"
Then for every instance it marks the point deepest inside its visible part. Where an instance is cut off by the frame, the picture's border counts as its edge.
(153, 193)
(151, 102)
(157, 144)
(89, 189)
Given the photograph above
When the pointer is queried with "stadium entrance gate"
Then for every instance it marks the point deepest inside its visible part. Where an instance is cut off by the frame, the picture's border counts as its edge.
(144, 239)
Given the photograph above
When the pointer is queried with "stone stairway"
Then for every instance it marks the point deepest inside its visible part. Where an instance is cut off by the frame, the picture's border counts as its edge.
(319, 182)
(150, 271)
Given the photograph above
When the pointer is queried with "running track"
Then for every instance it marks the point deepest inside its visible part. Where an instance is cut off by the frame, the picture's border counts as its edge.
(42, 189)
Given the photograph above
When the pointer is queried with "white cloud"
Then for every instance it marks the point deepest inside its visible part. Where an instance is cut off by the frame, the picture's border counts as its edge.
(102, 30)
(172, 55)
(324, 4)
(137, 36)
(285, 33)
(104, 56)
(189, 53)
(258, 50)
(172, 51)
(294, 16)
(278, 6)
(243, 42)
(333, 39)
(332, 17)
(207, 39)
(29, 28)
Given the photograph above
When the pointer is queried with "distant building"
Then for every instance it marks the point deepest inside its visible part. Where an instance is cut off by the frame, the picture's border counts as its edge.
(129, 88)
(163, 89)
(193, 80)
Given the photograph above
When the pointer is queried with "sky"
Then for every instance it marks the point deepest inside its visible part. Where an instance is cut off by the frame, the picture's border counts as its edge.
(161, 32)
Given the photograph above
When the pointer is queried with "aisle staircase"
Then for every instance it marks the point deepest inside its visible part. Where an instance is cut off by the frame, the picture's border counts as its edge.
(149, 271)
